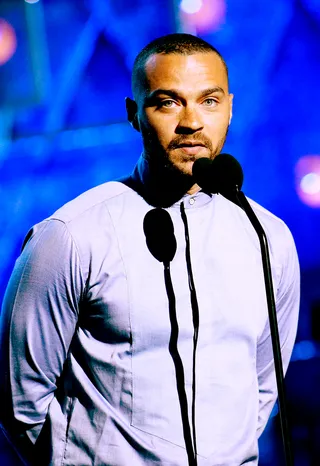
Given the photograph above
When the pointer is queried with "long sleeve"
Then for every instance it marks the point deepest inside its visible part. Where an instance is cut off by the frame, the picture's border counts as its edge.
(38, 321)
(287, 307)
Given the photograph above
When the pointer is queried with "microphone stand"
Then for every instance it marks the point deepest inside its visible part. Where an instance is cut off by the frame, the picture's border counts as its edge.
(286, 438)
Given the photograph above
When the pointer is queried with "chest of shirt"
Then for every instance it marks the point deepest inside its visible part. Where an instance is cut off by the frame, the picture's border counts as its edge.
(126, 287)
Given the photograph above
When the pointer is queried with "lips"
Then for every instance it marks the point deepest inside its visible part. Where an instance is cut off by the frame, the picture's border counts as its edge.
(191, 149)
(191, 144)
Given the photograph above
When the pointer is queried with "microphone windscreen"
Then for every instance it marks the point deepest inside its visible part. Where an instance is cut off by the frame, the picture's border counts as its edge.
(220, 175)
(204, 175)
(159, 231)
(230, 171)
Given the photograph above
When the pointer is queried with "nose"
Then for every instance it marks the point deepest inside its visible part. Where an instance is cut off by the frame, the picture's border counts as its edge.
(189, 122)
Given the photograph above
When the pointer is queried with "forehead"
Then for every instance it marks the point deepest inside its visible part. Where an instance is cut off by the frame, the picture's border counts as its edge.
(185, 72)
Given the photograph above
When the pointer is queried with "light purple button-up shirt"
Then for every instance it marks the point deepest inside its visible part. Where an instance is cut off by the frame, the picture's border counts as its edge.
(85, 333)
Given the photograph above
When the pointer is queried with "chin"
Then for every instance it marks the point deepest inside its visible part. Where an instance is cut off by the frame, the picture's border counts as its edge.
(184, 167)
(185, 164)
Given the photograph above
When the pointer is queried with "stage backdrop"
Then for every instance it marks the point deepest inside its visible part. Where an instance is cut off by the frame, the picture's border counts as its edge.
(64, 73)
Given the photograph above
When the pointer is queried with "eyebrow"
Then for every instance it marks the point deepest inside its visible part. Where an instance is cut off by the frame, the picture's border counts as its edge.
(175, 93)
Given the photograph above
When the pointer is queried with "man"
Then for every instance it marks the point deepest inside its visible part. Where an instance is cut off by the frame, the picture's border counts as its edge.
(88, 373)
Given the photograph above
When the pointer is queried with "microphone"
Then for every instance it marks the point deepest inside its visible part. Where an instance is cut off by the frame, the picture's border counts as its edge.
(222, 175)
(159, 232)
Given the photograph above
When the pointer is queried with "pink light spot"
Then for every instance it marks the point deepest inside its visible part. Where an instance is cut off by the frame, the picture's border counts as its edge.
(308, 180)
(8, 41)
(209, 17)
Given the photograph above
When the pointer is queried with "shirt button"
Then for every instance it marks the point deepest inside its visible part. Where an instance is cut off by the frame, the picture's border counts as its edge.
(192, 200)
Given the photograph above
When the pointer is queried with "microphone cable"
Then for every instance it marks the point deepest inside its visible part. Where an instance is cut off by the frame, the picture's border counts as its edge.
(196, 320)
(161, 242)
(173, 349)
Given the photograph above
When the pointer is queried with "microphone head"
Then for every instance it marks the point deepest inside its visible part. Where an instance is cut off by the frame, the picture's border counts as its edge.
(204, 175)
(222, 175)
(159, 232)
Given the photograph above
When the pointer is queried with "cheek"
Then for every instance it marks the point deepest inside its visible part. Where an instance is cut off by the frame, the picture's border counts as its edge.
(159, 129)
(218, 124)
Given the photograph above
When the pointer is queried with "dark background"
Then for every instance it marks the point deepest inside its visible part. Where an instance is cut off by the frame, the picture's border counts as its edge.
(64, 73)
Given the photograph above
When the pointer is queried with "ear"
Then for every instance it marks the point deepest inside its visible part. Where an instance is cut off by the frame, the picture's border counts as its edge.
(230, 106)
(132, 113)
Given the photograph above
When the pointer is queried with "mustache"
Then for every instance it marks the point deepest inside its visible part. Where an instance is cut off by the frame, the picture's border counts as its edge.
(184, 138)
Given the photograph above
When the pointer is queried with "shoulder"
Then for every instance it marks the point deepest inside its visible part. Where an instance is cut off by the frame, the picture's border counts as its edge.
(275, 228)
(281, 244)
(90, 201)
(280, 240)
(83, 217)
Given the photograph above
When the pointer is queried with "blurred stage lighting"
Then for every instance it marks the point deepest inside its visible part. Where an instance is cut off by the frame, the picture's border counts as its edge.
(203, 15)
(31, 1)
(8, 41)
(304, 350)
(308, 180)
(191, 6)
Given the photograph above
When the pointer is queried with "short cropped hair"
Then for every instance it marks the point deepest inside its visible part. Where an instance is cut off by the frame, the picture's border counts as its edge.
(178, 43)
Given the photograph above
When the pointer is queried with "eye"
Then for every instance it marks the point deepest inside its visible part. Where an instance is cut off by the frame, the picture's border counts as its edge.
(210, 102)
(167, 103)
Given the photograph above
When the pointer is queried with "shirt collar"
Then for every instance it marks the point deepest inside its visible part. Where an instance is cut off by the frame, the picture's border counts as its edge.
(161, 187)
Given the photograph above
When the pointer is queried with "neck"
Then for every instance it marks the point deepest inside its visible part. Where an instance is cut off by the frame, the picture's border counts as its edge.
(159, 184)
(194, 189)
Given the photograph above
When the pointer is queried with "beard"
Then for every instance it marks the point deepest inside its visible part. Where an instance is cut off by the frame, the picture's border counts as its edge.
(165, 176)
(171, 159)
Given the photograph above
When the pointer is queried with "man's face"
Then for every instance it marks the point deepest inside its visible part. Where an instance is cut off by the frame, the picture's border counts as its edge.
(185, 109)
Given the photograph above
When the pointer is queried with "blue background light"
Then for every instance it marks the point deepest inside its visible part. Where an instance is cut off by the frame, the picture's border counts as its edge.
(63, 129)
